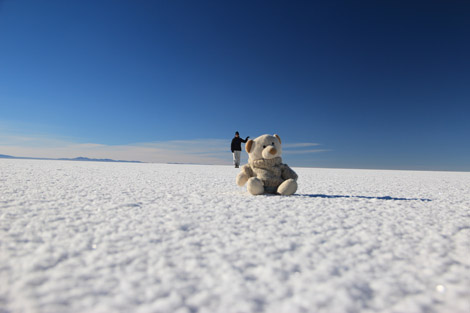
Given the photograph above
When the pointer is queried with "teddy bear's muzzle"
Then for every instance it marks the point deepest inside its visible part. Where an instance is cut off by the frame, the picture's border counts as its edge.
(269, 152)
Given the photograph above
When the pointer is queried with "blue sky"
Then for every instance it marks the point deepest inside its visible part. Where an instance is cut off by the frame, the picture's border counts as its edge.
(355, 84)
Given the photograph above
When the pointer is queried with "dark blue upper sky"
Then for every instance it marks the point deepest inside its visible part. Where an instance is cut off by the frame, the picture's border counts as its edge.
(379, 84)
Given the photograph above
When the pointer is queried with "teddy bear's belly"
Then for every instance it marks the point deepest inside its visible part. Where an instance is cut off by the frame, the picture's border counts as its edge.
(271, 177)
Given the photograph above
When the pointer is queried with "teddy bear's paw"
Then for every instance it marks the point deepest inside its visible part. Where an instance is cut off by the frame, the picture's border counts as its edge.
(255, 186)
(287, 188)
(242, 178)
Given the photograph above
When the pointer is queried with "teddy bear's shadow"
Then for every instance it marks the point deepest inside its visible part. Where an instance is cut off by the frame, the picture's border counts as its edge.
(360, 197)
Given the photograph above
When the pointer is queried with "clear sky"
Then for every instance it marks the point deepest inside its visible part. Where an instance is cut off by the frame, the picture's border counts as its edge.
(355, 84)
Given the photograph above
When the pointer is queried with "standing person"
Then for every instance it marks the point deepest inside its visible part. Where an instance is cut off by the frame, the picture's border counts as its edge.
(237, 148)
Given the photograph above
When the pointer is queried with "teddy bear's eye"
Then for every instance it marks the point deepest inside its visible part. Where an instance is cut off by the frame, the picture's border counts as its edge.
(273, 144)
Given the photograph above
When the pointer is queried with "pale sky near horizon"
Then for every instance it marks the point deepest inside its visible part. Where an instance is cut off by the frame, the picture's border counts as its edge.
(355, 84)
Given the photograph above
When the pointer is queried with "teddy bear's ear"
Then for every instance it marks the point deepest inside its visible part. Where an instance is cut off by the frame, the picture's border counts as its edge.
(278, 138)
(248, 145)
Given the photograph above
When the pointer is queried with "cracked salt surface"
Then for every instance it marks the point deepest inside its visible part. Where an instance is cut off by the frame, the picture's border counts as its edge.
(118, 237)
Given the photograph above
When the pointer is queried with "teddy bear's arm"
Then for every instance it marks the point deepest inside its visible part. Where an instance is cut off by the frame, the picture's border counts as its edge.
(245, 173)
(288, 173)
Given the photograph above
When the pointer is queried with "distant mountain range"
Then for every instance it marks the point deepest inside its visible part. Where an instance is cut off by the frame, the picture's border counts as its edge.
(3, 156)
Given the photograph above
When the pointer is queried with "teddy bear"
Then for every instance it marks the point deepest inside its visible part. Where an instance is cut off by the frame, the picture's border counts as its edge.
(265, 172)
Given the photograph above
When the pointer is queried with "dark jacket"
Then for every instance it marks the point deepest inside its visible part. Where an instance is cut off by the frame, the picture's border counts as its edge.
(237, 143)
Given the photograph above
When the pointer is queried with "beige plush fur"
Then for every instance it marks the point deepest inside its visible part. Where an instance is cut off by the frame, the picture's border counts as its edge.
(265, 172)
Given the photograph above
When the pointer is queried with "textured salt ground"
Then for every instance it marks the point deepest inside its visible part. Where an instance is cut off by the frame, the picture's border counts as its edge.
(117, 237)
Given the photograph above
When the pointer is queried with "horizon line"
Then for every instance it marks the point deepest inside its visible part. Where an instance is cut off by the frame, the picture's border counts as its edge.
(107, 160)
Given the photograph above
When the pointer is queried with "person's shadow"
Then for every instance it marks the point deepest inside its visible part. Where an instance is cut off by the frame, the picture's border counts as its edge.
(361, 197)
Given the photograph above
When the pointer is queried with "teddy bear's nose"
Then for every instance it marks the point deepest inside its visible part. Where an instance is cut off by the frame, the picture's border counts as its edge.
(273, 151)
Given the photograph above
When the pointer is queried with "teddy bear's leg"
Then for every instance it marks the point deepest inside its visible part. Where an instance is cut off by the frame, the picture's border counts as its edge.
(287, 188)
(255, 186)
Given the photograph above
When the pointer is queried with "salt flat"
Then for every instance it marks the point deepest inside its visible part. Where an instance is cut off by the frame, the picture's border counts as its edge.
(117, 237)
